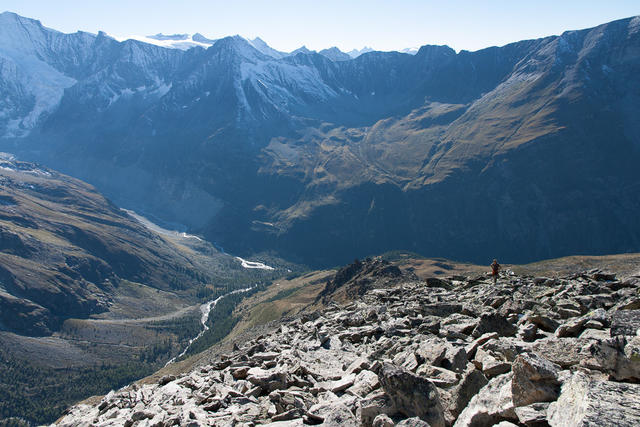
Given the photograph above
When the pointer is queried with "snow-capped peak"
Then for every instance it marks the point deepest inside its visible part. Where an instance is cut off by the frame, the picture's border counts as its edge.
(188, 41)
(335, 54)
(357, 52)
(263, 47)
(410, 50)
(302, 49)
(173, 41)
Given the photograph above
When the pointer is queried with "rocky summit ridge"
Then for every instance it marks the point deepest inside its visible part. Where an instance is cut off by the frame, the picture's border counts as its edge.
(455, 351)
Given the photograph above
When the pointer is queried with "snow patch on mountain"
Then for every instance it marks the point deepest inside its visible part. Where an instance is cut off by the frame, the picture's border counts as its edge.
(282, 83)
(42, 83)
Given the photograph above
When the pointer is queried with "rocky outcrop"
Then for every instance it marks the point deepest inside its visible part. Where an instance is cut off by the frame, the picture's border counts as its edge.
(407, 353)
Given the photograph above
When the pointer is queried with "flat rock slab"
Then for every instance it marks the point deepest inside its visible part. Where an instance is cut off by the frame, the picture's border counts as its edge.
(587, 402)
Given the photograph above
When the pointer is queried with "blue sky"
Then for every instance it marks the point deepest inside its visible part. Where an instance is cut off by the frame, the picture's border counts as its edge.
(348, 24)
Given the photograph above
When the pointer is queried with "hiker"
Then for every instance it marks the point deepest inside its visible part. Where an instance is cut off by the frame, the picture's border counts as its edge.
(495, 269)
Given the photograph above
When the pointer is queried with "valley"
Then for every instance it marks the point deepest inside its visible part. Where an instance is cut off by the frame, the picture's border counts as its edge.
(92, 297)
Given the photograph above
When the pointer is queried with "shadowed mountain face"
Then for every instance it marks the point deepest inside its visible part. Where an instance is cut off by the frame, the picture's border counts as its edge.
(524, 151)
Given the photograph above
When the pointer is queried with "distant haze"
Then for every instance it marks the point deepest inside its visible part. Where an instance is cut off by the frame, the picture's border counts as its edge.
(286, 25)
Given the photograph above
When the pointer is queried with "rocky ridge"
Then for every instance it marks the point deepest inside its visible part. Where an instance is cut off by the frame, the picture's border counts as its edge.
(458, 351)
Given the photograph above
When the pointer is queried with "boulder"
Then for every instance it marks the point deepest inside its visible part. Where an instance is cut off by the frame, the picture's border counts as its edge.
(455, 398)
(364, 383)
(334, 414)
(625, 322)
(542, 321)
(432, 351)
(358, 365)
(492, 404)
(587, 402)
(574, 327)
(528, 332)
(471, 348)
(533, 415)
(383, 420)
(272, 379)
(534, 380)
(413, 422)
(494, 322)
(617, 357)
(412, 395)
(565, 352)
(373, 405)
(458, 323)
(439, 376)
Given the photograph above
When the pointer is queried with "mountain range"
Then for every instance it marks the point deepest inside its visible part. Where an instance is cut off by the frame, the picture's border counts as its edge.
(188, 41)
(524, 151)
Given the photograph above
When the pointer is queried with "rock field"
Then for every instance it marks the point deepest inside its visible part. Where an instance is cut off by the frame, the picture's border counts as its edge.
(460, 351)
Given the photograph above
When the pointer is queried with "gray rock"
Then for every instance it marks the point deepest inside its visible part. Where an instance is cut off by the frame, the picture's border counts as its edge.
(412, 395)
(494, 322)
(292, 423)
(574, 327)
(455, 358)
(471, 348)
(439, 376)
(492, 404)
(595, 334)
(341, 384)
(458, 323)
(527, 332)
(358, 365)
(413, 422)
(533, 415)
(617, 357)
(455, 398)
(364, 383)
(442, 309)
(542, 321)
(383, 420)
(269, 380)
(335, 414)
(373, 405)
(625, 322)
(432, 351)
(565, 352)
(587, 402)
(534, 380)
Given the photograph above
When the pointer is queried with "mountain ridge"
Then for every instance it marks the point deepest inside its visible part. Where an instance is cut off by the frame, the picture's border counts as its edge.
(200, 127)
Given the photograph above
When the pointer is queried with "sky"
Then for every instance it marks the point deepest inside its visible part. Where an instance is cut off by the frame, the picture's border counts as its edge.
(318, 24)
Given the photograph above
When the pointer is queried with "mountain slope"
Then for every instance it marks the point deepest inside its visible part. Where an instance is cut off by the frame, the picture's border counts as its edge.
(65, 249)
(521, 151)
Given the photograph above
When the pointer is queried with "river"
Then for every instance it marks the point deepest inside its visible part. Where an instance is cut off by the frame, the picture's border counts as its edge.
(206, 310)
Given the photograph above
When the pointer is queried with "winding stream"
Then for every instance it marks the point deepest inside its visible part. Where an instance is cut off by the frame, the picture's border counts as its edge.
(206, 310)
